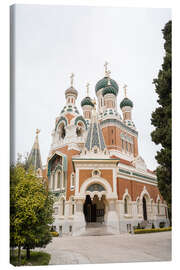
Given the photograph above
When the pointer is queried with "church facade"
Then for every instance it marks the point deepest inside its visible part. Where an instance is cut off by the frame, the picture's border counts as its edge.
(94, 169)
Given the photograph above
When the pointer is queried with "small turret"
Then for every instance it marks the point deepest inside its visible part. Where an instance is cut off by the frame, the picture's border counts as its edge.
(126, 106)
(87, 105)
(71, 93)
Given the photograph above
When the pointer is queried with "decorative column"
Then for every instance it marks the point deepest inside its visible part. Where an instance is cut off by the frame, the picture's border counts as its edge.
(79, 224)
(112, 217)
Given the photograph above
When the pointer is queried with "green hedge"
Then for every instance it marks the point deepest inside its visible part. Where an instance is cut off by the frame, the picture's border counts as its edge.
(139, 231)
(55, 234)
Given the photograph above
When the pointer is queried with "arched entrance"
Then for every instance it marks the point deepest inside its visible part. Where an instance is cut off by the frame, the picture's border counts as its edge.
(144, 209)
(94, 209)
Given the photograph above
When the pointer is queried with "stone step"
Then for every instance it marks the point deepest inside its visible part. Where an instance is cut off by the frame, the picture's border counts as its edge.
(96, 229)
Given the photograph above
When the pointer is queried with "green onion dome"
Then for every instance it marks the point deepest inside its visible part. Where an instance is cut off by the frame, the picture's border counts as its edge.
(87, 101)
(126, 102)
(104, 82)
(109, 90)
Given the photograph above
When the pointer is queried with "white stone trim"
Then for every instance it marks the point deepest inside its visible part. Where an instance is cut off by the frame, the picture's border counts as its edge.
(126, 193)
(77, 182)
(145, 193)
(114, 181)
(135, 179)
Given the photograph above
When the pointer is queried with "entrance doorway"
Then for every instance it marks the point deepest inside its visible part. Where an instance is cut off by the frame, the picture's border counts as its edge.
(144, 209)
(94, 209)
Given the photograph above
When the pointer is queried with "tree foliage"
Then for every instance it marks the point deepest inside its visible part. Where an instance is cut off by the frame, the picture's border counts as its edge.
(31, 208)
(162, 119)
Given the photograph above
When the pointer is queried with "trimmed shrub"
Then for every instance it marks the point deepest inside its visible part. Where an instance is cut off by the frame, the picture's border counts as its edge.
(139, 231)
(55, 234)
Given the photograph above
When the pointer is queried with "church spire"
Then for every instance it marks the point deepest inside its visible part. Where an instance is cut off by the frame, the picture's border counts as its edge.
(34, 158)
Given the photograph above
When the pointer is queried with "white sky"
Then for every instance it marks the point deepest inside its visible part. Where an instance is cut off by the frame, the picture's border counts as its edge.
(53, 41)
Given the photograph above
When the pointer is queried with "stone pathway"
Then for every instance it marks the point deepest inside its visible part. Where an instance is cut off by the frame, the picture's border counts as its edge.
(110, 248)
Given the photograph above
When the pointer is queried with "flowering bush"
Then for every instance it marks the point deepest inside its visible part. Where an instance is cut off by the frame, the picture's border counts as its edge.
(55, 234)
(139, 231)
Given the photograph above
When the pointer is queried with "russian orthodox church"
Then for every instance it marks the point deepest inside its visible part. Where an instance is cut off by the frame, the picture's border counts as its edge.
(94, 169)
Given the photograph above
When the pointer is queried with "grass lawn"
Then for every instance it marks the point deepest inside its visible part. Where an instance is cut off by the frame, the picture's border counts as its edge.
(37, 258)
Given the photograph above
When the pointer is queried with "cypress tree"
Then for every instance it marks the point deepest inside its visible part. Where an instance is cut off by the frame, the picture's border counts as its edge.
(162, 120)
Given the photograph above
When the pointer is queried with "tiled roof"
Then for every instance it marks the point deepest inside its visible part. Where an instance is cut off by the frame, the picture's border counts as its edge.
(95, 137)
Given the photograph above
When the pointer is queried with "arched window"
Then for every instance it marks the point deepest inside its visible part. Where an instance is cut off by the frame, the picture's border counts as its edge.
(79, 129)
(122, 144)
(158, 207)
(125, 206)
(63, 207)
(62, 131)
(144, 208)
(72, 180)
(127, 146)
(138, 206)
(59, 179)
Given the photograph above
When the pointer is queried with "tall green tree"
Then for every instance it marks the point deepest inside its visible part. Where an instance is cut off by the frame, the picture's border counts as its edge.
(162, 119)
(31, 208)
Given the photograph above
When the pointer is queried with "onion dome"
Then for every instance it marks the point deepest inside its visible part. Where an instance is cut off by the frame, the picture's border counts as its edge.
(72, 91)
(110, 90)
(87, 101)
(126, 102)
(104, 83)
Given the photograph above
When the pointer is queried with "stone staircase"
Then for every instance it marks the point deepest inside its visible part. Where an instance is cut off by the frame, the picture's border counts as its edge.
(96, 229)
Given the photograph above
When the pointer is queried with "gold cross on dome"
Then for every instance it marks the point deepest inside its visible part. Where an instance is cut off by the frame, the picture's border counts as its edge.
(37, 131)
(108, 75)
(87, 85)
(72, 78)
(105, 65)
(125, 90)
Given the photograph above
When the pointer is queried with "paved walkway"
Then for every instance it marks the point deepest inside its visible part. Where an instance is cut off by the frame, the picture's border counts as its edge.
(110, 248)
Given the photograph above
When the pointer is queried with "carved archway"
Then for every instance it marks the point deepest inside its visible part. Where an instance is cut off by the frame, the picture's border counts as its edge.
(96, 180)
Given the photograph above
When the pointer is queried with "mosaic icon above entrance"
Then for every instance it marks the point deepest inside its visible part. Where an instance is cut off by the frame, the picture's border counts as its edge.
(95, 187)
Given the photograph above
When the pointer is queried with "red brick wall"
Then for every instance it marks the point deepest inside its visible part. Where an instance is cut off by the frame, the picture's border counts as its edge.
(135, 189)
(113, 139)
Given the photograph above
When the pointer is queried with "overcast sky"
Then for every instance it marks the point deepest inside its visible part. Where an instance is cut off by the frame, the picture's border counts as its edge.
(53, 41)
